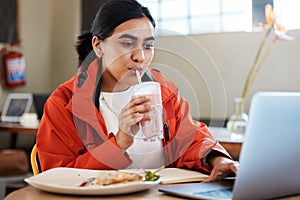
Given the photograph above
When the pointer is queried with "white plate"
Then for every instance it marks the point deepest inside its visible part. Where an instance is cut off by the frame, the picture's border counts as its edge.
(67, 181)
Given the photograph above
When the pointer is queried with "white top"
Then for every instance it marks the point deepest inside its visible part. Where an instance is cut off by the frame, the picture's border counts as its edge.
(147, 155)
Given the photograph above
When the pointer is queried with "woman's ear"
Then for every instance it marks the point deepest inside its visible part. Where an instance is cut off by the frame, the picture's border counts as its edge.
(97, 47)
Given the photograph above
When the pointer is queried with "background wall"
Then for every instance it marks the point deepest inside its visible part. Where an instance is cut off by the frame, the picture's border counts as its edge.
(48, 32)
(209, 69)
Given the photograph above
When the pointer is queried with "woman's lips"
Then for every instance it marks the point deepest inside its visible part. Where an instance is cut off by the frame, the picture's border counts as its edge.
(134, 69)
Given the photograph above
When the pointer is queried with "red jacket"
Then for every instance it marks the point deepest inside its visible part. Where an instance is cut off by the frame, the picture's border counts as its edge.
(72, 132)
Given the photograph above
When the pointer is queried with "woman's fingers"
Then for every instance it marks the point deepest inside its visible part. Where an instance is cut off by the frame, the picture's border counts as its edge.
(136, 105)
(222, 170)
(235, 167)
(137, 101)
(131, 115)
(134, 112)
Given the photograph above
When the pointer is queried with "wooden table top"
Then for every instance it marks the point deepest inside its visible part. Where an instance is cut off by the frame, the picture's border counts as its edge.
(17, 128)
(31, 193)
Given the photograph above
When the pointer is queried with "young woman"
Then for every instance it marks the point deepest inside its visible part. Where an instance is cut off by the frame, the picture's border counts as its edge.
(91, 121)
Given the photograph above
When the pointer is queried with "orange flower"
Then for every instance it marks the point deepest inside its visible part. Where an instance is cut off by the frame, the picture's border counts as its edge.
(280, 30)
(269, 15)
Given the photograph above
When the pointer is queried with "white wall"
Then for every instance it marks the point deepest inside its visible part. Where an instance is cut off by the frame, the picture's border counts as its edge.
(210, 70)
(48, 30)
(48, 33)
(65, 29)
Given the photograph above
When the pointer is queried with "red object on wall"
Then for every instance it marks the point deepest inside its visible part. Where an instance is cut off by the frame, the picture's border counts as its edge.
(13, 67)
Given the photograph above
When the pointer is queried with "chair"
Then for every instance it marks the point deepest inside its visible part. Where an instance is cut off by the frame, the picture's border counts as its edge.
(16, 168)
(34, 161)
(9, 179)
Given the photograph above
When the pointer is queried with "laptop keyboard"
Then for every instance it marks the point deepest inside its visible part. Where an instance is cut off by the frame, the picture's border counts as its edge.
(220, 193)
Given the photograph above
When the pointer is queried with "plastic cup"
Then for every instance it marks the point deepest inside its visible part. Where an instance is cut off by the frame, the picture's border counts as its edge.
(152, 130)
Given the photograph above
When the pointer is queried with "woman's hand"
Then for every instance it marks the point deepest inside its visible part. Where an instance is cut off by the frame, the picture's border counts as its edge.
(222, 167)
(131, 115)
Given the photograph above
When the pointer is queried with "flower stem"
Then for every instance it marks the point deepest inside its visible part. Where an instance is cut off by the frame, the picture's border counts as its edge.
(252, 73)
(263, 60)
(252, 69)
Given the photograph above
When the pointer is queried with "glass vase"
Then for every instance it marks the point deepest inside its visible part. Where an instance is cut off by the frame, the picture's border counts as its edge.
(237, 122)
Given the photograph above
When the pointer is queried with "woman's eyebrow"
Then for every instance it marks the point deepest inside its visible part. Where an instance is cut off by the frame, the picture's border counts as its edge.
(149, 38)
(135, 38)
(128, 36)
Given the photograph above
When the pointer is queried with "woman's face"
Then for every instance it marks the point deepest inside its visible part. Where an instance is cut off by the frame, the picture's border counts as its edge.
(129, 48)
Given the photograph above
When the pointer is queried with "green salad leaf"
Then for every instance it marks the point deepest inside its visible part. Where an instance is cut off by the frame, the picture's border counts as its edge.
(152, 176)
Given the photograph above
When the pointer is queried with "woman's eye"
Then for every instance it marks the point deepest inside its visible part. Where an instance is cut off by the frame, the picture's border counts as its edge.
(149, 46)
(127, 44)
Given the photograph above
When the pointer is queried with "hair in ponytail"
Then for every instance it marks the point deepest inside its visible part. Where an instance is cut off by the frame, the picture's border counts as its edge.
(84, 46)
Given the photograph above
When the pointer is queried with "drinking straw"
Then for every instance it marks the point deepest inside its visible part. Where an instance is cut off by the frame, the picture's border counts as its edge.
(138, 76)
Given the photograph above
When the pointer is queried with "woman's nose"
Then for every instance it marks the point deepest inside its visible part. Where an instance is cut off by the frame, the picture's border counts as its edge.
(138, 55)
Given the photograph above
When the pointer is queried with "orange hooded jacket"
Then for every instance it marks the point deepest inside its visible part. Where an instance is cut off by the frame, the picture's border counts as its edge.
(72, 132)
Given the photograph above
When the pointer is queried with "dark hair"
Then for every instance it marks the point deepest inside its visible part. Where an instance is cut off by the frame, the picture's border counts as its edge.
(109, 16)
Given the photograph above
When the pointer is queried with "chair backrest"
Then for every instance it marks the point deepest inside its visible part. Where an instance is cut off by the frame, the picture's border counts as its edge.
(34, 161)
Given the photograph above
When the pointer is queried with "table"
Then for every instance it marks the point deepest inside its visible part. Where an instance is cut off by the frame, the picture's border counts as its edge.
(14, 129)
(31, 193)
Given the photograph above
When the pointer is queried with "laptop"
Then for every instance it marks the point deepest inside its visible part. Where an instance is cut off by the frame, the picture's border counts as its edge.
(269, 160)
(16, 104)
(39, 101)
